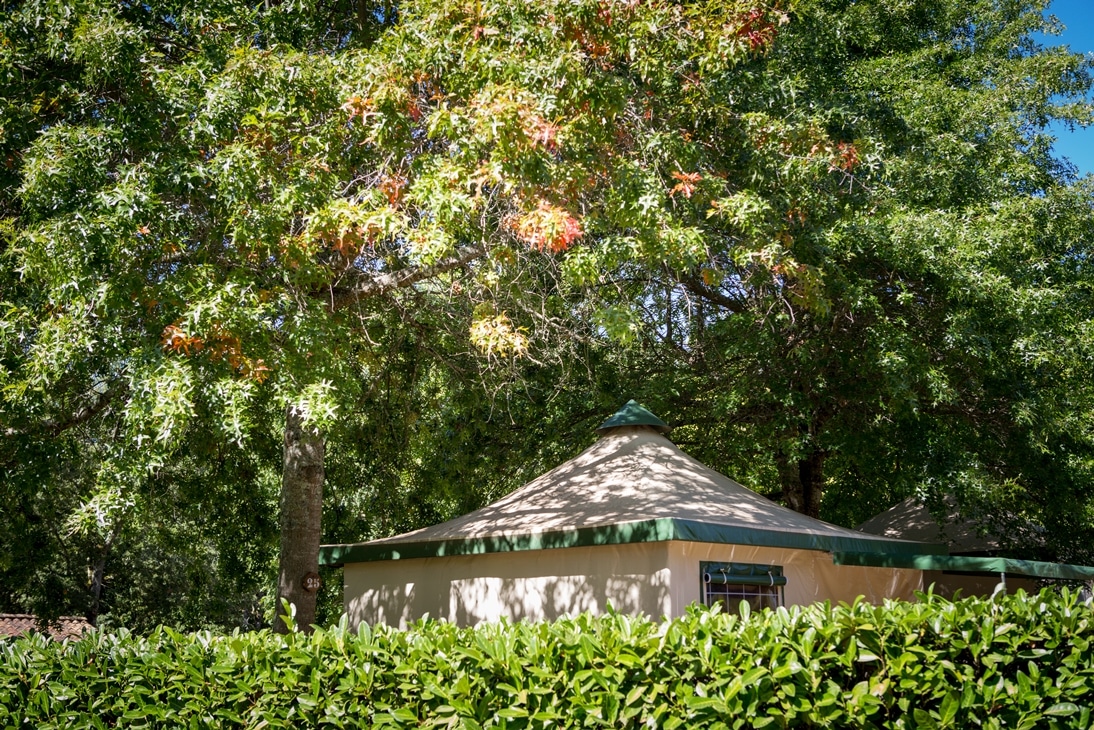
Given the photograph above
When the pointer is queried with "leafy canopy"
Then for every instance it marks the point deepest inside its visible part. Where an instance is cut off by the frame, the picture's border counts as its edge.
(831, 235)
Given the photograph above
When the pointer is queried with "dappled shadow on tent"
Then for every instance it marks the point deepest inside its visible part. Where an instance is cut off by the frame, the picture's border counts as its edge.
(616, 525)
(630, 475)
(913, 519)
(530, 585)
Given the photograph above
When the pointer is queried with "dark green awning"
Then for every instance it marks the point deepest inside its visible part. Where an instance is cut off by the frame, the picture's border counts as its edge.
(967, 564)
(657, 530)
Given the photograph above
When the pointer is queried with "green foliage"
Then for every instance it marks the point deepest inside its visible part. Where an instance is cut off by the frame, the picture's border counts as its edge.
(190, 546)
(825, 238)
(894, 296)
(1014, 661)
(212, 210)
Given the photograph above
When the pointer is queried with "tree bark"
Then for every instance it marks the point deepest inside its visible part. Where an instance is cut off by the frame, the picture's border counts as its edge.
(98, 578)
(803, 482)
(301, 518)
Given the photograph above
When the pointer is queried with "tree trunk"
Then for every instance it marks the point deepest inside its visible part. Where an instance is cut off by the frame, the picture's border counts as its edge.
(803, 482)
(98, 577)
(301, 518)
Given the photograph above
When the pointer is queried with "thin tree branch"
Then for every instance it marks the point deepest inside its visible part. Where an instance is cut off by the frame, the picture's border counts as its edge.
(696, 286)
(55, 427)
(379, 284)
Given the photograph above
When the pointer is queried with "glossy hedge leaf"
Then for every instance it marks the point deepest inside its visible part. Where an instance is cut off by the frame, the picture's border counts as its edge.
(787, 668)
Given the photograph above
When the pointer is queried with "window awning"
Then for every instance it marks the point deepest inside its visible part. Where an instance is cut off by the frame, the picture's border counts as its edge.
(744, 580)
(967, 564)
(743, 574)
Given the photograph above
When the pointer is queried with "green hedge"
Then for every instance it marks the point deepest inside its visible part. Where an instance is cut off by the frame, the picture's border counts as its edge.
(1018, 662)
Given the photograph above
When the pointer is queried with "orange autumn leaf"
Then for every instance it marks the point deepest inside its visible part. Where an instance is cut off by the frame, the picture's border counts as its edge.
(846, 157)
(548, 228)
(392, 188)
(758, 30)
(686, 183)
(542, 132)
(356, 106)
(176, 340)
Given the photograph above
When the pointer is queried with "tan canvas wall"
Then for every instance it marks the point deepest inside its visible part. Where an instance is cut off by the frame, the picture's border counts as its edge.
(810, 574)
(946, 584)
(656, 579)
(533, 585)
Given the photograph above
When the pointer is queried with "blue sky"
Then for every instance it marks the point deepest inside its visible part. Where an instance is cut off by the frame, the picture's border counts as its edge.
(1078, 16)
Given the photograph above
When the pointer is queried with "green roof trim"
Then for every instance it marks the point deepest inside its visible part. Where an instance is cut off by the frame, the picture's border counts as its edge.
(966, 564)
(634, 414)
(655, 530)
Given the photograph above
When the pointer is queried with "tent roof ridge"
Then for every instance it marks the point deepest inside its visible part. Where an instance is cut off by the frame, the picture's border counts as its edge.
(633, 414)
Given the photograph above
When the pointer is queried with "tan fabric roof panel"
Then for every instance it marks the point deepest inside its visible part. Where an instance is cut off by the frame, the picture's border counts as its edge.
(633, 485)
(912, 520)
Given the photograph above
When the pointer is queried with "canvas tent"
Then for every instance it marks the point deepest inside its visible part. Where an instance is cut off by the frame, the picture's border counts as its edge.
(633, 522)
(912, 519)
(975, 565)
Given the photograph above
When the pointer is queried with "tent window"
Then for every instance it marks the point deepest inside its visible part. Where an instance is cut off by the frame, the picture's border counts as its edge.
(730, 583)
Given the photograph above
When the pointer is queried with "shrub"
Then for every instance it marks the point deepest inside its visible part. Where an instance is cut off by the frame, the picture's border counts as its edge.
(1018, 661)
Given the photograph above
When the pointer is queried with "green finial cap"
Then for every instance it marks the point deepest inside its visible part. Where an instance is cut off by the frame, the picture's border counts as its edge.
(633, 414)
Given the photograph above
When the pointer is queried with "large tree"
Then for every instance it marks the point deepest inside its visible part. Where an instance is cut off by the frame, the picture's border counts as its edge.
(926, 331)
(212, 208)
(837, 223)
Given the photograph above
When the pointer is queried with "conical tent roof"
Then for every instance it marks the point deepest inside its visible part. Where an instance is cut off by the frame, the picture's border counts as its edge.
(913, 520)
(632, 485)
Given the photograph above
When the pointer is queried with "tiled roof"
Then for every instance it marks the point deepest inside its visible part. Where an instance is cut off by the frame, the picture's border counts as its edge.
(65, 627)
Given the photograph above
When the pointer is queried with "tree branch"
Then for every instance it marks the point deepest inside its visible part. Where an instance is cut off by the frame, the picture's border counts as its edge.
(341, 297)
(696, 286)
(55, 427)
